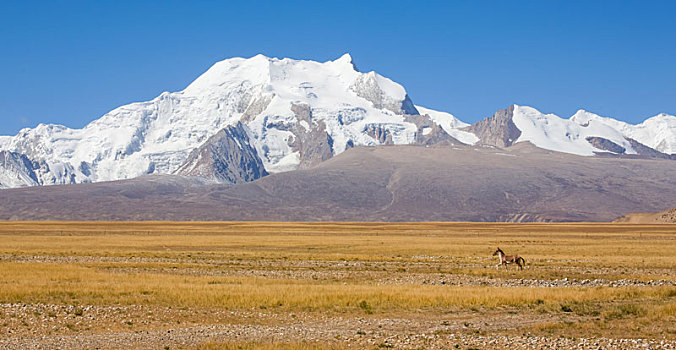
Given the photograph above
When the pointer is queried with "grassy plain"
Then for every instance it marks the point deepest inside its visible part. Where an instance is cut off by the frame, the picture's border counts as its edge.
(359, 281)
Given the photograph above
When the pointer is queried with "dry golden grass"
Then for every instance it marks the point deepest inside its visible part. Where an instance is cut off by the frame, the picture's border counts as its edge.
(339, 268)
(68, 284)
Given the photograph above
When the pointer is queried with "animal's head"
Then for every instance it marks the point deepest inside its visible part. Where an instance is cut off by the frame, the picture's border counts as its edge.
(498, 251)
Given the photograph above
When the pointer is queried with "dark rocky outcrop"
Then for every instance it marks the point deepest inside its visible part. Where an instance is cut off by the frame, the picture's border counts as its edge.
(312, 141)
(646, 151)
(428, 132)
(498, 130)
(379, 133)
(227, 157)
(606, 145)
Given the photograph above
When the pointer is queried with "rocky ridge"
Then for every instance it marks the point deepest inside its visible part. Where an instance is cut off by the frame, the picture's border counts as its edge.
(226, 157)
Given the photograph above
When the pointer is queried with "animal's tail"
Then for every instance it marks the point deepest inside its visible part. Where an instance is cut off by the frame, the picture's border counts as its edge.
(523, 261)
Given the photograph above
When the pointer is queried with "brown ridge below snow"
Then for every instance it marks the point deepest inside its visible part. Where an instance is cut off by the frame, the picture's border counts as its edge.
(386, 183)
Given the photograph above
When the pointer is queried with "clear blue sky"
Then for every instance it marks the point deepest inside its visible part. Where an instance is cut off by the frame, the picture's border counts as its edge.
(69, 62)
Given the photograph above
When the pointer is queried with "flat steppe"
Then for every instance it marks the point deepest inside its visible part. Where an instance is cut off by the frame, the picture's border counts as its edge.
(250, 285)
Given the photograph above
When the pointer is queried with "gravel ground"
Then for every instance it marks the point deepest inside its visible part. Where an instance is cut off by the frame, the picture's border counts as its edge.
(92, 327)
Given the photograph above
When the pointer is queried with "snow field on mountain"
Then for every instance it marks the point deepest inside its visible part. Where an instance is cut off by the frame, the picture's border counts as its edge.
(658, 132)
(550, 132)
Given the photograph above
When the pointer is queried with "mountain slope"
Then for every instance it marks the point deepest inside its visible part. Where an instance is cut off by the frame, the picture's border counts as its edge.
(226, 157)
(388, 183)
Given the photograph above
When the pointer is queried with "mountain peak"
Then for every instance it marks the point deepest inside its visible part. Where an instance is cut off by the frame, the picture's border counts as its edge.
(260, 70)
(663, 116)
(525, 109)
(254, 68)
(346, 59)
(581, 112)
(582, 117)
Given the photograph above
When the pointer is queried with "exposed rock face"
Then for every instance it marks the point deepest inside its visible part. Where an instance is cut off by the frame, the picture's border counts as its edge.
(380, 133)
(498, 130)
(16, 170)
(642, 151)
(367, 87)
(429, 133)
(227, 157)
(407, 106)
(312, 141)
(606, 145)
(257, 106)
(646, 151)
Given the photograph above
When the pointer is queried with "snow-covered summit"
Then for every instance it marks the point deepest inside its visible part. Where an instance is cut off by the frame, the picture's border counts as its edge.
(285, 106)
(584, 133)
(551, 132)
(658, 132)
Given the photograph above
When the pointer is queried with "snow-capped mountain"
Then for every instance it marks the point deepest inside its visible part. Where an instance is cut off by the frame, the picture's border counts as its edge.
(658, 132)
(583, 134)
(550, 132)
(245, 118)
(294, 113)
